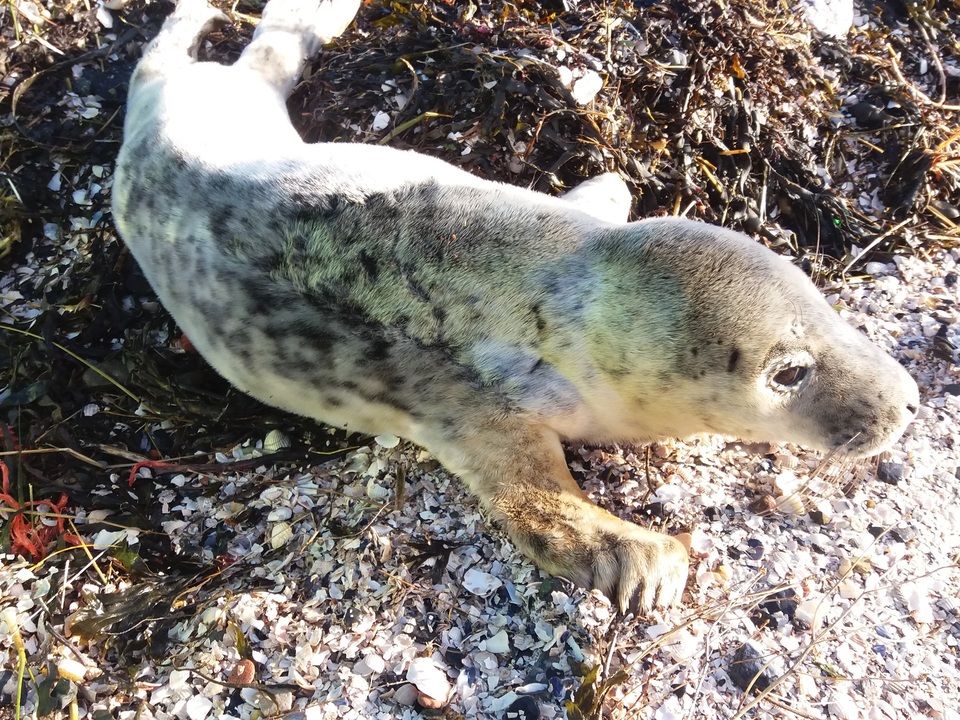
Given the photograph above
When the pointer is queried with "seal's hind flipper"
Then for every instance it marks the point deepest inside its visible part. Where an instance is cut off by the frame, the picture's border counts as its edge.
(176, 43)
(290, 32)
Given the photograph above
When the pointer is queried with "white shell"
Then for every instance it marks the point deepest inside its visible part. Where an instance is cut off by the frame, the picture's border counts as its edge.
(429, 679)
(71, 670)
(371, 664)
(274, 441)
(811, 612)
(499, 643)
(585, 89)
(375, 491)
(280, 513)
(479, 582)
(791, 504)
(786, 483)
(280, 535)
(387, 441)
(843, 707)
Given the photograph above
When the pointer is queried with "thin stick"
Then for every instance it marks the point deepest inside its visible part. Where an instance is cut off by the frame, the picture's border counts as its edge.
(873, 243)
(913, 89)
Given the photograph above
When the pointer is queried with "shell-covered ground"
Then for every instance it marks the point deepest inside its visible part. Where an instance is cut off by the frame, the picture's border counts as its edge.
(175, 550)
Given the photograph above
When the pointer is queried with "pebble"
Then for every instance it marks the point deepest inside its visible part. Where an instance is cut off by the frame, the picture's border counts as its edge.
(243, 673)
(748, 669)
(861, 566)
(405, 695)
(430, 702)
(763, 505)
(848, 590)
(754, 549)
(783, 601)
(890, 472)
(523, 708)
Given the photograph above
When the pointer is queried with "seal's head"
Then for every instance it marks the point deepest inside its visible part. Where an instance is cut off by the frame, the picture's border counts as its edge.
(757, 353)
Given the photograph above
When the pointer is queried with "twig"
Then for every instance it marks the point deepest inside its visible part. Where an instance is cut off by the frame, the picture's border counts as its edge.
(936, 61)
(913, 89)
(873, 243)
(610, 651)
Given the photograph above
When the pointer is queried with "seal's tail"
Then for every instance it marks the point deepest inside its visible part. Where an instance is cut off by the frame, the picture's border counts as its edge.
(292, 31)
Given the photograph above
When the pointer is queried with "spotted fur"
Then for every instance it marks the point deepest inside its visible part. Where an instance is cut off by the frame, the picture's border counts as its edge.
(390, 292)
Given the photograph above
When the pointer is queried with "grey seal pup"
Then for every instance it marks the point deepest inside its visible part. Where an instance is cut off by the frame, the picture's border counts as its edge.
(390, 292)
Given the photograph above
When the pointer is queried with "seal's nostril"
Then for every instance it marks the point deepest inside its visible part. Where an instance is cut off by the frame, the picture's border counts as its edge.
(912, 409)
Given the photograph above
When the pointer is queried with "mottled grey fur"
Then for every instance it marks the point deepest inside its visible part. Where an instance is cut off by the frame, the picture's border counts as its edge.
(387, 291)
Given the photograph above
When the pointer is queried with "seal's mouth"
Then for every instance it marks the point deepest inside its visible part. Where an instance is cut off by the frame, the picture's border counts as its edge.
(864, 445)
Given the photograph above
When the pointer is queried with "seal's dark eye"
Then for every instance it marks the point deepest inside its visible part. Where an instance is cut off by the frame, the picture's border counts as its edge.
(788, 377)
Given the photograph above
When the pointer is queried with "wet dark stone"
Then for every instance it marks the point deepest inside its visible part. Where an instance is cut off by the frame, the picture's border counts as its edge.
(8, 681)
(869, 116)
(523, 708)
(890, 472)
(454, 657)
(952, 389)
(755, 551)
(747, 669)
(765, 466)
(785, 601)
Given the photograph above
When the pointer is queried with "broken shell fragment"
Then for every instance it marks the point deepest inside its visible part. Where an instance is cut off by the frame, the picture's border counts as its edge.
(431, 682)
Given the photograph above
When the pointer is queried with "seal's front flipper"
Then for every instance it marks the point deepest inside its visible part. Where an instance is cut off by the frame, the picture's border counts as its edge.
(571, 537)
(519, 473)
